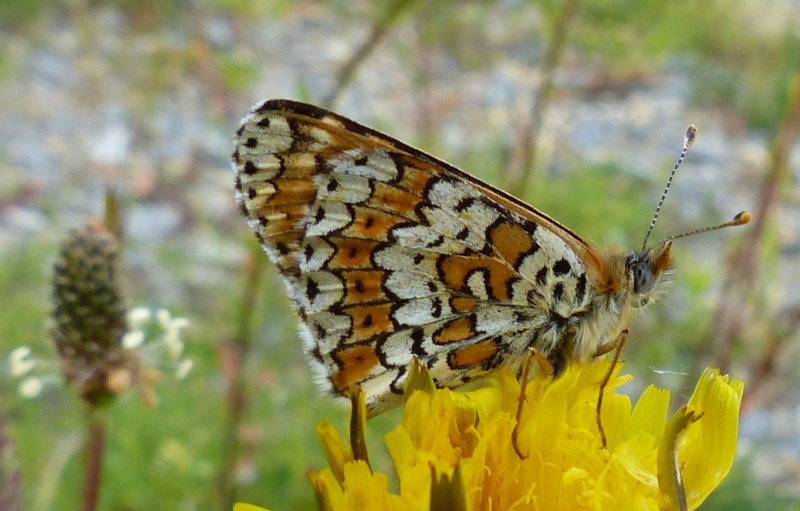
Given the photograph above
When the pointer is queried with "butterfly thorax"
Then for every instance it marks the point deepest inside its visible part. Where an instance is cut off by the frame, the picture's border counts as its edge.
(623, 282)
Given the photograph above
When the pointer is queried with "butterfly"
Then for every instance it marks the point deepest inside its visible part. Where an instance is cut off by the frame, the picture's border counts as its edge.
(391, 254)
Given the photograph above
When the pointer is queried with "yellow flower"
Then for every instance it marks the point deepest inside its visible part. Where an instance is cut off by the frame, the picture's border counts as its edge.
(455, 450)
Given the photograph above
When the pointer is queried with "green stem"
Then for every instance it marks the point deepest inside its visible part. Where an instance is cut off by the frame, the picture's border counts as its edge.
(236, 399)
(379, 30)
(524, 158)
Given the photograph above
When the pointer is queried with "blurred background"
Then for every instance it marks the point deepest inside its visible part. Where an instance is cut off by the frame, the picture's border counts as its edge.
(578, 107)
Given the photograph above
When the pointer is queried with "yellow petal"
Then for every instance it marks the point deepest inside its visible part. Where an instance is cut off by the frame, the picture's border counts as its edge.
(241, 506)
(709, 445)
(365, 491)
(650, 413)
(418, 379)
(447, 490)
(328, 490)
(478, 404)
(336, 451)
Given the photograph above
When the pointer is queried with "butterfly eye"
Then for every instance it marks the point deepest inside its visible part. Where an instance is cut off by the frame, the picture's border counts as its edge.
(643, 278)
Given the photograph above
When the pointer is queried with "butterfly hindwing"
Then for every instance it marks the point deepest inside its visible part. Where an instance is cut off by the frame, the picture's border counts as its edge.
(389, 253)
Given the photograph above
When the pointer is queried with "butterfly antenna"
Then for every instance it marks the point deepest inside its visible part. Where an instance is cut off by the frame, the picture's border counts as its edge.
(688, 140)
(740, 219)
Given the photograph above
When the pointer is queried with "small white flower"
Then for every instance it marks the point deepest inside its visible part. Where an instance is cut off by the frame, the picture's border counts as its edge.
(132, 339)
(179, 323)
(184, 366)
(18, 354)
(22, 367)
(172, 337)
(164, 318)
(19, 361)
(174, 346)
(30, 387)
(138, 317)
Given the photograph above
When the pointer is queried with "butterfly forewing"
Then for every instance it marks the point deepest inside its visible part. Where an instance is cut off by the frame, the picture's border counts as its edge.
(390, 254)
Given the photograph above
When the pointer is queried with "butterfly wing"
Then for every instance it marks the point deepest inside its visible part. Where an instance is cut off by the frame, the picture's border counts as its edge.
(389, 253)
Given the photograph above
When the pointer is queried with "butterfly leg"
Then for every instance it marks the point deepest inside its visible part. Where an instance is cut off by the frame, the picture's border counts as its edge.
(617, 347)
(549, 370)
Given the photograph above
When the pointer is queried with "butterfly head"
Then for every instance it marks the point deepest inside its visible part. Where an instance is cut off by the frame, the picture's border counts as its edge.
(650, 269)
(649, 272)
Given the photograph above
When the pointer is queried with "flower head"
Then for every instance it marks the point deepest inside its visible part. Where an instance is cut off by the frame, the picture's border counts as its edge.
(457, 447)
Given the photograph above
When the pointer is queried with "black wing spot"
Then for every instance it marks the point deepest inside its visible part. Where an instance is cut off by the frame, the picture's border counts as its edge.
(561, 267)
(418, 336)
(251, 142)
(312, 290)
(436, 308)
(418, 258)
(367, 321)
(250, 168)
(332, 185)
(251, 193)
(359, 286)
(558, 291)
(580, 289)
(463, 204)
(436, 243)
(361, 161)
(530, 227)
(541, 276)
(282, 248)
(463, 234)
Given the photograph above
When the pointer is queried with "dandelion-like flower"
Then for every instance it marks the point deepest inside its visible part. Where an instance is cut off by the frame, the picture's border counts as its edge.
(456, 449)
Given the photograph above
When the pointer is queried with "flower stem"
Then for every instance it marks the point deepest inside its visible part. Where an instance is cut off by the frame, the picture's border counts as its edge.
(95, 443)
(236, 398)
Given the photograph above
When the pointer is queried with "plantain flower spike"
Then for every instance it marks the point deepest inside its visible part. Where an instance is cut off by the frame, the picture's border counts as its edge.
(90, 316)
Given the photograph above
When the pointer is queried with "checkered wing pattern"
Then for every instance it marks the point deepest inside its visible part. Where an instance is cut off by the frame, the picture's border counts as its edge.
(389, 253)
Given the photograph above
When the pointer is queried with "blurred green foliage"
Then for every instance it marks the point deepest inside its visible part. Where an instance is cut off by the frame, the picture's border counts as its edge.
(20, 11)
